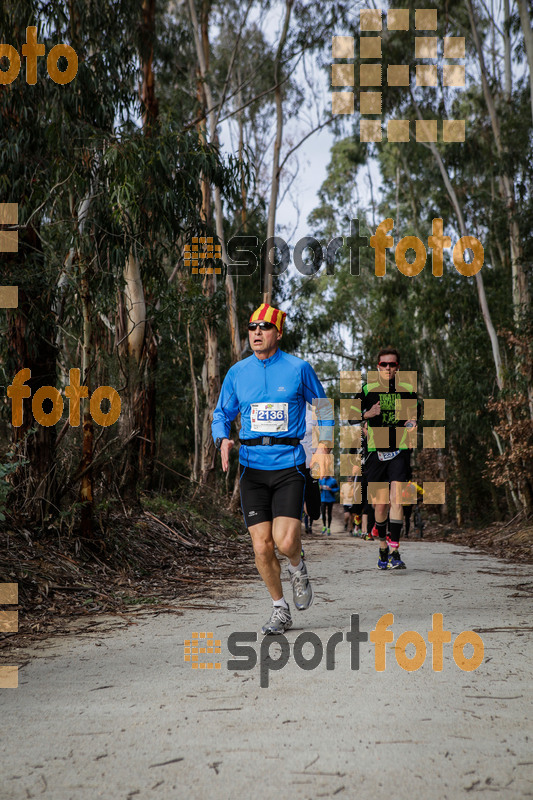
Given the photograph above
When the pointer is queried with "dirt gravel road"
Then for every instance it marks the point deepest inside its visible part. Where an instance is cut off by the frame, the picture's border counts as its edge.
(118, 713)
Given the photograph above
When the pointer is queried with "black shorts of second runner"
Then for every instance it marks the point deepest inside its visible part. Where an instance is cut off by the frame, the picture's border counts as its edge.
(396, 469)
(312, 494)
(361, 480)
(270, 493)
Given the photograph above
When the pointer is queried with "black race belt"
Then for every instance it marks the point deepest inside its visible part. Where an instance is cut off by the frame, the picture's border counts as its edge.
(269, 440)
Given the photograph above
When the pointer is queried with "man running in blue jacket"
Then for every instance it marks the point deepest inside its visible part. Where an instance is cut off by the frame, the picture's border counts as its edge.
(328, 490)
(269, 390)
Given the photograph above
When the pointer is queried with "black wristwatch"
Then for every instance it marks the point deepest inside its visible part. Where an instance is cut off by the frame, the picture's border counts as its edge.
(218, 442)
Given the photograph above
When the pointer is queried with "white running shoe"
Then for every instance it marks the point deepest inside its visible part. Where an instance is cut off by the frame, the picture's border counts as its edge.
(279, 622)
(301, 588)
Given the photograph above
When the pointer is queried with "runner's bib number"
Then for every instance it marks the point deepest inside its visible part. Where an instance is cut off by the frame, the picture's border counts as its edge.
(269, 417)
(388, 456)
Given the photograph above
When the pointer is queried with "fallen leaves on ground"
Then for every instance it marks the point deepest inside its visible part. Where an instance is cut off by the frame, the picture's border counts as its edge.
(145, 561)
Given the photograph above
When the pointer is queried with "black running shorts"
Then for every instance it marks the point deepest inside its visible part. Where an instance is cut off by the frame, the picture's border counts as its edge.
(266, 493)
(312, 494)
(397, 469)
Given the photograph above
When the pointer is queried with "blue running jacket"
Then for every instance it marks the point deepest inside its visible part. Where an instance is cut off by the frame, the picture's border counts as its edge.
(270, 395)
(328, 489)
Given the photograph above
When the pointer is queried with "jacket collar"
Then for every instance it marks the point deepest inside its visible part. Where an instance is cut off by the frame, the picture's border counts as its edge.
(266, 362)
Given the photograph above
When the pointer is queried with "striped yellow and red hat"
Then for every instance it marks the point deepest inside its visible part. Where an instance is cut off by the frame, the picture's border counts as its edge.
(269, 314)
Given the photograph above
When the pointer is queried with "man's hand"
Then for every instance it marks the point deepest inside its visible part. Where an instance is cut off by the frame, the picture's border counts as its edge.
(412, 427)
(318, 465)
(323, 448)
(225, 448)
(374, 411)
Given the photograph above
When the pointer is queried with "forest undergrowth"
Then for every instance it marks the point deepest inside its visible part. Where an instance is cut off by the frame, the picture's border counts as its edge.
(162, 553)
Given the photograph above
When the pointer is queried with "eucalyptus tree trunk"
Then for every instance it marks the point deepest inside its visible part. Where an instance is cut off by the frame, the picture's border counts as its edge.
(507, 51)
(135, 307)
(240, 122)
(481, 295)
(211, 374)
(496, 353)
(458, 487)
(138, 342)
(131, 329)
(147, 391)
(520, 289)
(194, 473)
(205, 97)
(86, 485)
(86, 489)
(274, 188)
(150, 105)
(525, 22)
(480, 286)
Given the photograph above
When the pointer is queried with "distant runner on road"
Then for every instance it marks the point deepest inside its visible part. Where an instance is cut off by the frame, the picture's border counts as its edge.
(348, 505)
(328, 490)
(388, 462)
(270, 389)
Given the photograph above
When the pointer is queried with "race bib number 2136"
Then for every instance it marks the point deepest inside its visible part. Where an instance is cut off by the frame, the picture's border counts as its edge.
(269, 417)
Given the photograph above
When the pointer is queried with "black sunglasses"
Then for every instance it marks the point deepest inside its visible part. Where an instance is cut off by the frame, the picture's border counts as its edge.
(388, 364)
(263, 326)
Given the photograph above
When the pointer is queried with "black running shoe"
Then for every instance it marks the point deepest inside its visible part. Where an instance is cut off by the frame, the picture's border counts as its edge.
(395, 560)
(384, 559)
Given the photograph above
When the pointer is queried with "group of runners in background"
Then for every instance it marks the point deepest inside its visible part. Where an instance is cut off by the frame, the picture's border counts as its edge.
(273, 392)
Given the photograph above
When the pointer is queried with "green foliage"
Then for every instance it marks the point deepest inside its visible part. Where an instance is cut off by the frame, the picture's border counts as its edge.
(94, 186)
(436, 323)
